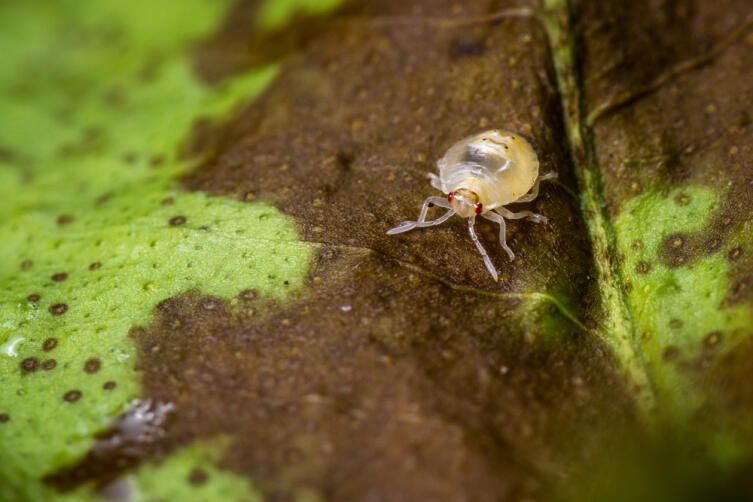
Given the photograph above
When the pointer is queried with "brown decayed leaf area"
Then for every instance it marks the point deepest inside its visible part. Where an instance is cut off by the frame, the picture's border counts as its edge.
(401, 371)
(693, 129)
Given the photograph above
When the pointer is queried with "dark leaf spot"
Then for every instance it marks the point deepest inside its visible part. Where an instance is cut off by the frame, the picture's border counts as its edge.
(26, 264)
(49, 344)
(109, 385)
(49, 364)
(59, 277)
(670, 353)
(58, 309)
(177, 220)
(92, 365)
(34, 297)
(72, 396)
(95, 265)
(64, 219)
(197, 477)
(735, 253)
(642, 267)
(4, 417)
(30, 364)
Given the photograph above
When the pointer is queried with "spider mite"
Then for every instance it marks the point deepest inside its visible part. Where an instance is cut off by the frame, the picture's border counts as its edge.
(480, 174)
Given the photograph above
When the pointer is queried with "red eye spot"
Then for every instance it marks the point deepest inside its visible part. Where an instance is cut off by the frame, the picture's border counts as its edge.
(478, 208)
(450, 196)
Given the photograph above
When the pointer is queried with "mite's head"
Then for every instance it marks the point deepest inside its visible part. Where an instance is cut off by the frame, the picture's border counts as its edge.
(465, 203)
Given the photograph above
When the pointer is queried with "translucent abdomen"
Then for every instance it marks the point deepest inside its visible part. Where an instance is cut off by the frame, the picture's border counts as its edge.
(498, 166)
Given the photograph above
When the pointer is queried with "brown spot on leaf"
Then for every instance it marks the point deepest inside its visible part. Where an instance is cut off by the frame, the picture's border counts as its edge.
(176, 221)
(49, 364)
(109, 385)
(92, 365)
(49, 344)
(735, 253)
(642, 267)
(26, 264)
(670, 353)
(95, 265)
(58, 309)
(4, 418)
(30, 364)
(64, 219)
(34, 297)
(72, 396)
(59, 277)
(197, 477)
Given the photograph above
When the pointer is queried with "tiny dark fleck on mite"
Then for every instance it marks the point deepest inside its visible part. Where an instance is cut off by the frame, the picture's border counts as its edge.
(72, 396)
(109, 385)
(34, 297)
(4, 418)
(59, 277)
(30, 364)
(49, 364)
(58, 309)
(49, 344)
(177, 220)
(712, 339)
(197, 477)
(642, 267)
(92, 365)
(670, 353)
(95, 265)
(735, 253)
(26, 264)
(64, 219)
(431, 204)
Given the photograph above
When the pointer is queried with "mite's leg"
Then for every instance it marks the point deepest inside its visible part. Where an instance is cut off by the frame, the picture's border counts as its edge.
(538, 218)
(410, 225)
(435, 181)
(535, 190)
(491, 215)
(487, 260)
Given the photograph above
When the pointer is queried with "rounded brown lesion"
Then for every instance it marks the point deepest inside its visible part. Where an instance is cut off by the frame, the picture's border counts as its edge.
(465, 202)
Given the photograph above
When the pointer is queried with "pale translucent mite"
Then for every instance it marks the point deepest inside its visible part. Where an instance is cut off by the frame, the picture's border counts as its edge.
(480, 174)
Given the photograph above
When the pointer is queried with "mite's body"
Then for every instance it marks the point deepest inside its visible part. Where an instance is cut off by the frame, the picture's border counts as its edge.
(480, 174)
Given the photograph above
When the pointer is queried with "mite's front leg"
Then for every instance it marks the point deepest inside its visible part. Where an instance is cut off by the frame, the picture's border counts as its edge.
(421, 222)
